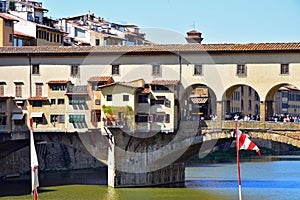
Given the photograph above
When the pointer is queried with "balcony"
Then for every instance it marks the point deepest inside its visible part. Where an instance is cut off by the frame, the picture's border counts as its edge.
(77, 90)
(114, 123)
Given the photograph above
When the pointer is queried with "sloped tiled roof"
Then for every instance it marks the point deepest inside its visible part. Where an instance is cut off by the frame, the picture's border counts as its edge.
(58, 81)
(37, 98)
(23, 34)
(99, 78)
(148, 49)
(8, 17)
(164, 82)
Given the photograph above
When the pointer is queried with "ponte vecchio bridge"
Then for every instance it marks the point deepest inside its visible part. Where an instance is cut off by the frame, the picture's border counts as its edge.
(222, 68)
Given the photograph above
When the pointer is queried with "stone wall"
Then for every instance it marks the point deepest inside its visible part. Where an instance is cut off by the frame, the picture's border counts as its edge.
(61, 152)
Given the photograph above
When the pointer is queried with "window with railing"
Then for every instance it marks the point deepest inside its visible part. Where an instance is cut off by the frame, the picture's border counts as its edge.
(57, 118)
(77, 100)
(142, 118)
(58, 87)
(37, 103)
(160, 118)
(76, 118)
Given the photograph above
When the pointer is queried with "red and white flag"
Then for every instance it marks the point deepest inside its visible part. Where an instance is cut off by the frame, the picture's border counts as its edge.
(34, 164)
(246, 143)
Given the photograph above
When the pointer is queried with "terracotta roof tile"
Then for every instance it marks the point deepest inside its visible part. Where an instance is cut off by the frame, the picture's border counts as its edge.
(37, 99)
(173, 48)
(8, 17)
(58, 81)
(22, 34)
(99, 78)
(164, 82)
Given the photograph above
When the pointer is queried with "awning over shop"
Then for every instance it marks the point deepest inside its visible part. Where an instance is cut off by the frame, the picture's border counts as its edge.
(37, 114)
(198, 100)
(17, 116)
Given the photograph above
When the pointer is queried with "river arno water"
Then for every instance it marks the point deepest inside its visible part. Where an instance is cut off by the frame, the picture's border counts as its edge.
(266, 178)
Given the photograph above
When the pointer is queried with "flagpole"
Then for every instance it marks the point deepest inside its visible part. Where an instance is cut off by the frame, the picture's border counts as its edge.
(34, 164)
(238, 160)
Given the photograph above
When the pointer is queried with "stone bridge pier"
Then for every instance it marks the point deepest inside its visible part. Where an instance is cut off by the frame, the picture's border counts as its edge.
(140, 162)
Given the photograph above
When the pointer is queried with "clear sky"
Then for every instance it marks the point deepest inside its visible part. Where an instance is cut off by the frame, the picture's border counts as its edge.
(220, 21)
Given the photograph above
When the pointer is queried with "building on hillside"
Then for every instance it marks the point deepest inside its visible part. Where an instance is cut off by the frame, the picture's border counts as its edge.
(28, 10)
(31, 28)
(7, 29)
(89, 30)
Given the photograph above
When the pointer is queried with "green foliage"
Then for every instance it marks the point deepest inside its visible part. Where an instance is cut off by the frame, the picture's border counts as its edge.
(114, 110)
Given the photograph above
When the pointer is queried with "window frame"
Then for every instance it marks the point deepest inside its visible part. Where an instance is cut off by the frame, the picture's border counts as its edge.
(284, 69)
(75, 71)
(241, 70)
(109, 97)
(39, 89)
(18, 89)
(198, 70)
(125, 97)
(115, 69)
(156, 70)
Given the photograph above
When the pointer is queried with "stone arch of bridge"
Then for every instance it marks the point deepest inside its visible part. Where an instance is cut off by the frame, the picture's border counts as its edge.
(210, 139)
(286, 137)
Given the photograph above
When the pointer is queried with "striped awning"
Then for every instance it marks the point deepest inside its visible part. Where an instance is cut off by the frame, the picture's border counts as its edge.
(199, 100)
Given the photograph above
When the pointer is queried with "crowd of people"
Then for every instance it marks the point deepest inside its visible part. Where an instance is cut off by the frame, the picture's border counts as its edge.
(284, 118)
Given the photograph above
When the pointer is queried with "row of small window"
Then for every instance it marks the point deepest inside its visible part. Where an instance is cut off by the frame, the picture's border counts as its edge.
(237, 109)
(198, 69)
(51, 37)
(74, 70)
(153, 118)
(285, 105)
(75, 101)
(242, 70)
(291, 96)
(57, 118)
(157, 70)
(236, 96)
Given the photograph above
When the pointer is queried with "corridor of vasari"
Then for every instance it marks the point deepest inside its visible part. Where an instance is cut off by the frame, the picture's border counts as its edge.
(94, 108)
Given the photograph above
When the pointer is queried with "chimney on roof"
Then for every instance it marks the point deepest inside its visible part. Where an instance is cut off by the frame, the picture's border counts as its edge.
(194, 36)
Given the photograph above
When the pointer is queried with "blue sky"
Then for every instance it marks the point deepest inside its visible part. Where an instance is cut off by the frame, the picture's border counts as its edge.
(220, 21)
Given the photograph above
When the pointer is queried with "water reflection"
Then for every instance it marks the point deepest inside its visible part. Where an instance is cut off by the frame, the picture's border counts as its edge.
(267, 178)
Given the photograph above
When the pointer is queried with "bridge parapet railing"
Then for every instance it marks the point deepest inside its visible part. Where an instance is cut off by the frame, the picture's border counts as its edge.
(252, 125)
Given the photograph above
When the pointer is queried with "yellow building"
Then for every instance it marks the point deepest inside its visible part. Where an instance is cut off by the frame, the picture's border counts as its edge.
(94, 103)
(7, 29)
